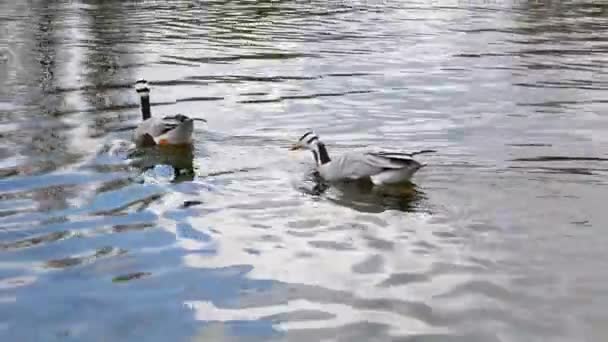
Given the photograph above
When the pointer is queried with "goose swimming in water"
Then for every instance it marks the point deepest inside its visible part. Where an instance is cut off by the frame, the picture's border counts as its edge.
(168, 130)
(382, 168)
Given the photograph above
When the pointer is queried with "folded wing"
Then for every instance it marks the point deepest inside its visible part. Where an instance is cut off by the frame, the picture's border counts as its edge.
(360, 165)
(157, 127)
(390, 160)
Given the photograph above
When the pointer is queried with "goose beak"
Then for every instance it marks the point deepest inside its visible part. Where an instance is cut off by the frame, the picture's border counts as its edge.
(198, 119)
(295, 147)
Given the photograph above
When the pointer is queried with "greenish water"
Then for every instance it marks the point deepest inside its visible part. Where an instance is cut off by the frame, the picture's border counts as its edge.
(502, 239)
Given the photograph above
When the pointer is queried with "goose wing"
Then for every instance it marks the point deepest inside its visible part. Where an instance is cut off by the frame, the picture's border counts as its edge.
(391, 160)
(157, 127)
(361, 165)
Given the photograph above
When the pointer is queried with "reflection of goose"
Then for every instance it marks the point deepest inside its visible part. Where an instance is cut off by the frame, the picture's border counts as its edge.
(380, 167)
(179, 158)
(168, 130)
(364, 196)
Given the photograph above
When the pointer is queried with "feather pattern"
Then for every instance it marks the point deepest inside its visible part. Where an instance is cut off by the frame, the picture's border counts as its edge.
(355, 165)
(379, 167)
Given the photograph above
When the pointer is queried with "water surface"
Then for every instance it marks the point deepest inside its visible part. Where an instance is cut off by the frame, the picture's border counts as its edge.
(502, 238)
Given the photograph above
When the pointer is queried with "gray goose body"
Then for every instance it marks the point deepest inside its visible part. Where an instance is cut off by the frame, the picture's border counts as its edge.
(381, 168)
(166, 130)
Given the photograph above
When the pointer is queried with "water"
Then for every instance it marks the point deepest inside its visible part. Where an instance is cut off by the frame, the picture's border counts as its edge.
(502, 238)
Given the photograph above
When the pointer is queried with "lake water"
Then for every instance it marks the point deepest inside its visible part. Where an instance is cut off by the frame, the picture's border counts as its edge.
(502, 238)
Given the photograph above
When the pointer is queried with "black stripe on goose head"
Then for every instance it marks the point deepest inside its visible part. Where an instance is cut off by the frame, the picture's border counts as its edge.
(314, 138)
(305, 135)
(141, 87)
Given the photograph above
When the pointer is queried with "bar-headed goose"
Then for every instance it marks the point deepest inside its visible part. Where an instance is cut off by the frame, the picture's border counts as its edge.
(166, 130)
(382, 168)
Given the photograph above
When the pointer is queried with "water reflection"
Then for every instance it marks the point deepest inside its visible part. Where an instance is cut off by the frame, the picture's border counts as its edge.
(179, 158)
(364, 196)
(49, 146)
(107, 65)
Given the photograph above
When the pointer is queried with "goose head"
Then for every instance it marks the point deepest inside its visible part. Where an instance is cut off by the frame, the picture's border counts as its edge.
(310, 141)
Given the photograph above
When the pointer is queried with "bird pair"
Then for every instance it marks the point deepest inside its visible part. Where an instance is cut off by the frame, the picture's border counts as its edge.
(381, 168)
